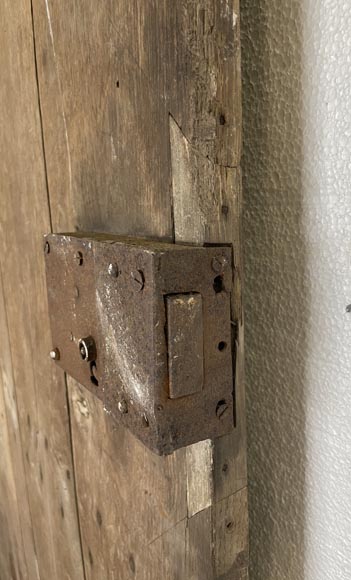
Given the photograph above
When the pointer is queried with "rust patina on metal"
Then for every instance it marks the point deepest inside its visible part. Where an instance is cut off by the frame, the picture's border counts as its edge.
(146, 327)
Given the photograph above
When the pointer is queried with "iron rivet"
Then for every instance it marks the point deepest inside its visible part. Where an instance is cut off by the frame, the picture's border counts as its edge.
(47, 248)
(78, 258)
(123, 407)
(113, 270)
(221, 409)
(219, 264)
(138, 280)
(55, 354)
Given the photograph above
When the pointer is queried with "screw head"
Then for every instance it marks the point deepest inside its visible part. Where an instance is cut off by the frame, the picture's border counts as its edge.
(123, 407)
(55, 354)
(221, 409)
(113, 270)
(78, 258)
(46, 248)
(138, 280)
(219, 264)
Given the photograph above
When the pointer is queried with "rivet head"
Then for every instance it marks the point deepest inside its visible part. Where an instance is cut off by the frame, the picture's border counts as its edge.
(78, 258)
(113, 270)
(138, 280)
(55, 354)
(219, 264)
(123, 407)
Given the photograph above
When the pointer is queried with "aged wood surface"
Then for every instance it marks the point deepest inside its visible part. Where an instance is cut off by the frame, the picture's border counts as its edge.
(132, 503)
(52, 546)
(17, 553)
(141, 120)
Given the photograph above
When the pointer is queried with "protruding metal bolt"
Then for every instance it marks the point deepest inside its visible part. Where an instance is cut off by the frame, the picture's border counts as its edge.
(123, 407)
(87, 348)
(94, 374)
(55, 354)
(78, 257)
(138, 280)
(46, 248)
(221, 409)
(219, 264)
(113, 270)
(94, 370)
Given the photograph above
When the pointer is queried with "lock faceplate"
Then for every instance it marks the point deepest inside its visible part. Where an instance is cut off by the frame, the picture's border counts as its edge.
(146, 327)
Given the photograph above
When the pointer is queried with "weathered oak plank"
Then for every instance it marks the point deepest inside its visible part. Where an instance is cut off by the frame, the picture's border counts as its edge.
(142, 129)
(207, 205)
(231, 525)
(17, 552)
(40, 390)
(133, 504)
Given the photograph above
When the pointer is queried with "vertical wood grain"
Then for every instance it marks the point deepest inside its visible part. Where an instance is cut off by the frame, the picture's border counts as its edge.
(140, 103)
(17, 553)
(132, 503)
(40, 393)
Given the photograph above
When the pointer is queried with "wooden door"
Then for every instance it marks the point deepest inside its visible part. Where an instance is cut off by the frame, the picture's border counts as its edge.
(124, 117)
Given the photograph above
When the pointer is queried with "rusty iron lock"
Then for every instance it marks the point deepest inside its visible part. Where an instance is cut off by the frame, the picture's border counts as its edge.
(146, 327)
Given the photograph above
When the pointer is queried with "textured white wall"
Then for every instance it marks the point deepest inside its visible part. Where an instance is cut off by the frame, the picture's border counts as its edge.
(297, 227)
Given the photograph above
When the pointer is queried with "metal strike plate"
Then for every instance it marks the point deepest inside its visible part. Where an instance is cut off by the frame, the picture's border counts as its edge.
(146, 327)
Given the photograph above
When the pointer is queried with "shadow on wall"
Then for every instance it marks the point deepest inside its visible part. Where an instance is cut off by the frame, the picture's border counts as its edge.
(276, 299)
